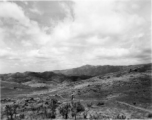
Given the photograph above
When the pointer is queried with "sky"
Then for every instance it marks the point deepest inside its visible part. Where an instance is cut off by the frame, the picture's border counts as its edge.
(54, 35)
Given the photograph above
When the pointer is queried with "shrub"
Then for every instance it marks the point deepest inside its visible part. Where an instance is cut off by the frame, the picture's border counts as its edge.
(120, 116)
(46, 108)
(134, 103)
(20, 116)
(108, 77)
(65, 110)
(100, 103)
(89, 105)
(53, 104)
(11, 111)
(94, 116)
(118, 75)
(85, 113)
(77, 107)
(149, 115)
(50, 109)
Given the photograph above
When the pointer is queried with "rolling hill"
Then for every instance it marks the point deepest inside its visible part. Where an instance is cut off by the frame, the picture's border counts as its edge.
(105, 91)
(91, 70)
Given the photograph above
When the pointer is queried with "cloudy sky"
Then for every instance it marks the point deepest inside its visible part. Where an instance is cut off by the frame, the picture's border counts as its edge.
(49, 35)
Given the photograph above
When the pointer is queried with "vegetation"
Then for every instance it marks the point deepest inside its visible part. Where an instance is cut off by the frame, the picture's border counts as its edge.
(100, 103)
(150, 115)
(89, 105)
(121, 116)
(65, 110)
(45, 109)
(11, 111)
(77, 108)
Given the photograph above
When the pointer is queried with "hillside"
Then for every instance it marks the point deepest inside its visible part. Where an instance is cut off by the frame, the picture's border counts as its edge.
(40, 77)
(124, 93)
(91, 70)
(83, 72)
(27, 82)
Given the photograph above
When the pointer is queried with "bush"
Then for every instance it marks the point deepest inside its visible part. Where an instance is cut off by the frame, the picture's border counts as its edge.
(65, 110)
(118, 75)
(85, 113)
(54, 103)
(120, 116)
(89, 105)
(108, 77)
(11, 111)
(77, 107)
(149, 115)
(94, 116)
(50, 109)
(100, 103)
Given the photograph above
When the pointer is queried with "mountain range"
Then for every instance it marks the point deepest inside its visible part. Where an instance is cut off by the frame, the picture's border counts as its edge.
(74, 74)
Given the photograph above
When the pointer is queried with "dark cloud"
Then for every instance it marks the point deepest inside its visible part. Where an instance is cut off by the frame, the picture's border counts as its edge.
(46, 12)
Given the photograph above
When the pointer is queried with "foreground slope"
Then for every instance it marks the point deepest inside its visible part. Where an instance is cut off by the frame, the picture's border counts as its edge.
(126, 92)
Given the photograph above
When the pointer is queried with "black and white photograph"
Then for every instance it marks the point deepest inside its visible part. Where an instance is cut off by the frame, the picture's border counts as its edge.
(75, 60)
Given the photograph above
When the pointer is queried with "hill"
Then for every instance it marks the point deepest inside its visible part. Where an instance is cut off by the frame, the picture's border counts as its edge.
(108, 92)
(91, 70)
(40, 77)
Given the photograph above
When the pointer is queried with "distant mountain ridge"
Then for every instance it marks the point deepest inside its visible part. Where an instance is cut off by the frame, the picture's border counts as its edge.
(99, 70)
(58, 76)
(90, 70)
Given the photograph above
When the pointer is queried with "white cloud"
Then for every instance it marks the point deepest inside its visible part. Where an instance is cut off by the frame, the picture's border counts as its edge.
(96, 18)
(111, 53)
(11, 10)
(34, 10)
(101, 32)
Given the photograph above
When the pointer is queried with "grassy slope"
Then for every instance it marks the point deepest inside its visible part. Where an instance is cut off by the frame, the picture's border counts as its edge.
(129, 94)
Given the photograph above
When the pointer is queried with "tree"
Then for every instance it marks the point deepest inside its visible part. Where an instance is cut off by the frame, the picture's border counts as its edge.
(53, 105)
(11, 111)
(77, 107)
(65, 110)
(49, 108)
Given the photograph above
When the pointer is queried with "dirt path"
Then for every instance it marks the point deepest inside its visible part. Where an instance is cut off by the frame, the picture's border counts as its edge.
(136, 107)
